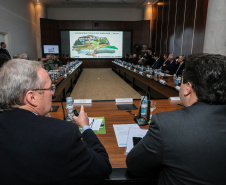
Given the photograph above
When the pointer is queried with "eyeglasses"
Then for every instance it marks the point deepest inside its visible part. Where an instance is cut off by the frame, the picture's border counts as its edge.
(52, 88)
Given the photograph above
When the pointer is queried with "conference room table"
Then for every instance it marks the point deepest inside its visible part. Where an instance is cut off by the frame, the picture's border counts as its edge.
(112, 115)
(158, 86)
(64, 85)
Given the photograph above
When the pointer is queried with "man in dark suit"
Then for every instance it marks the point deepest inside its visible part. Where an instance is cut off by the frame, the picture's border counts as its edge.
(171, 65)
(4, 50)
(187, 146)
(158, 62)
(134, 59)
(181, 65)
(41, 150)
(3, 58)
(149, 56)
(165, 62)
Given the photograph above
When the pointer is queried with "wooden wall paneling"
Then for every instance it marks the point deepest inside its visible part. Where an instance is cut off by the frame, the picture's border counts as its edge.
(159, 27)
(145, 37)
(188, 27)
(87, 25)
(179, 27)
(137, 37)
(164, 40)
(126, 25)
(200, 26)
(172, 24)
(78, 25)
(153, 26)
(110, 25)
(145, 25)
(96, 25)
(75, 25)
(145, 33)
(49, 32)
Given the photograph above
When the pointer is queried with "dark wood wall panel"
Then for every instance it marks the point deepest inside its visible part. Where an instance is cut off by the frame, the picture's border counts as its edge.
(199, 32)
(183, 28)
(172, 24)
(159, 26)
(52, 35)
(50, 30)
(189, 26)
(179, 27)
(153, 25)
(164, 41)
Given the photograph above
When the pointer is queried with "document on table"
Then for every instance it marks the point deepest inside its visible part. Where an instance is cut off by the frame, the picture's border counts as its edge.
(134, 132)
(95, 123)
(121, 132)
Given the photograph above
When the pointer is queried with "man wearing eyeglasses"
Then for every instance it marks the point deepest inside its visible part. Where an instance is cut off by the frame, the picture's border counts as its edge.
(40, 150)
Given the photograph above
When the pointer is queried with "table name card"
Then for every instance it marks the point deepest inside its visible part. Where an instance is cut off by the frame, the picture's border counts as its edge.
(124, 100)
(141, 73)
(82, 100)
(149, 76)
(175, 98)
(177, 88)
(134, 70)
(162, 82)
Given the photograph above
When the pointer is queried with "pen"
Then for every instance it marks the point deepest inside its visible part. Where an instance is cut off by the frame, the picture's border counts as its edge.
(91, 124)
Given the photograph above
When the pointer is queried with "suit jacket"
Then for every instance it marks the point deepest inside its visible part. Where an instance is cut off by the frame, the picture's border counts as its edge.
(134, 61)
(43, 150)
(165, 63)
(180, 69)
(4, 51)
(187, 146)
(157, 64)
(171, 67)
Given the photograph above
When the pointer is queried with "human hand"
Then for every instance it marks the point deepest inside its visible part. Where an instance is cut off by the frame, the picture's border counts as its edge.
(82, 120)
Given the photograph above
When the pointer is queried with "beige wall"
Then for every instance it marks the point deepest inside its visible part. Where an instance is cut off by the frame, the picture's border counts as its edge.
(215, 36)
(18, 22)
(110, 14)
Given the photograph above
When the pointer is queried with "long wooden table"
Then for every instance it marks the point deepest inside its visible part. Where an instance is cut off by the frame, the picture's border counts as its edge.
(65, 85)
(153, 85)
(112, 115)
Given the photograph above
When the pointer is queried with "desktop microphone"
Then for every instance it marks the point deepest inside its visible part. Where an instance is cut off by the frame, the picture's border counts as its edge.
(54, 97)
(139, 119)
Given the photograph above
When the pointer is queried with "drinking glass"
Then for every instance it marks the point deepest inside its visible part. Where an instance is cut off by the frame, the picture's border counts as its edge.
(152, 107)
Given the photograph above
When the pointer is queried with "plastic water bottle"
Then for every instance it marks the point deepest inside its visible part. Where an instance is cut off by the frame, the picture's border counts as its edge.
(144, 106)
(70, 112)
(69, 101)
(151, 71)
(69, 108)
(156, 72)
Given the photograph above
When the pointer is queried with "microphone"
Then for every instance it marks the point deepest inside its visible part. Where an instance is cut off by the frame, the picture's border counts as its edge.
(139, 119)
(54, 97)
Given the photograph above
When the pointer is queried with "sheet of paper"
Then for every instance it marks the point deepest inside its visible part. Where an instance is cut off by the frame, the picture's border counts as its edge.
(134, 132)
(121, 132)
(95, 123)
